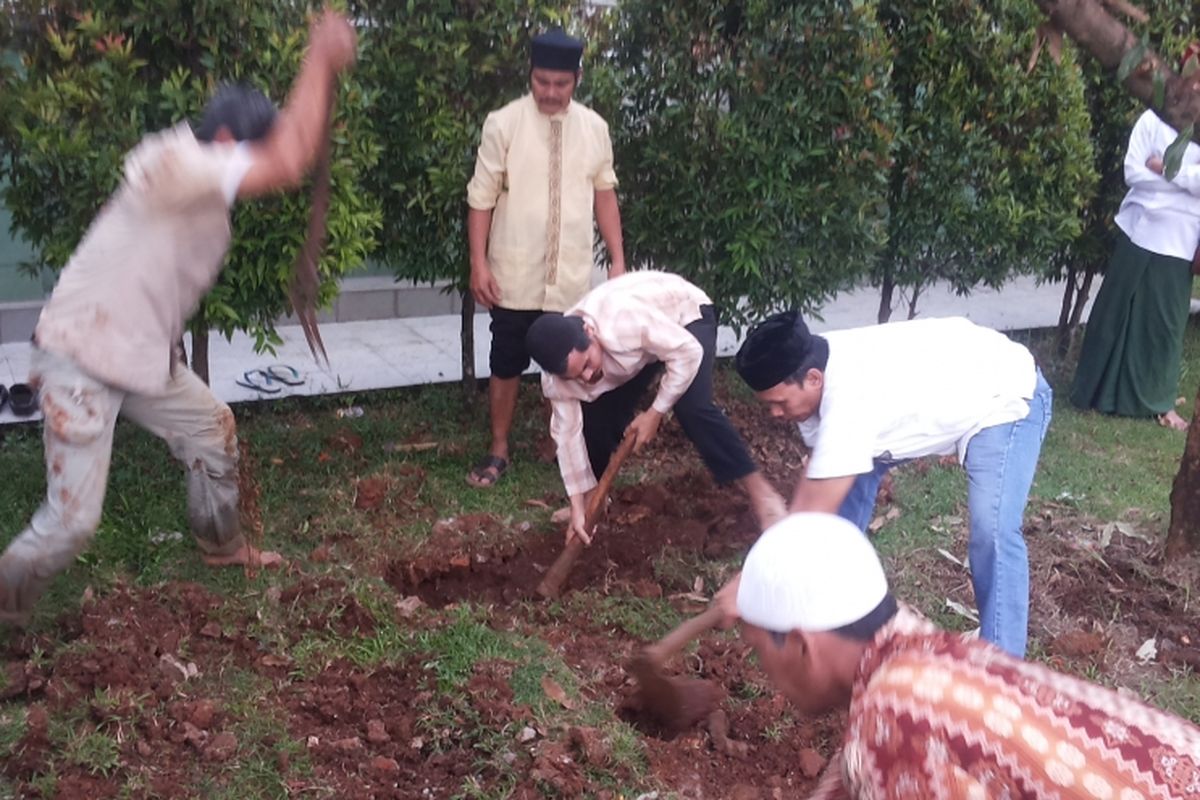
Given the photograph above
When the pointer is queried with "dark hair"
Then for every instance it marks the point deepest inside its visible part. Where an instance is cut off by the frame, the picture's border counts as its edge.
(864, 629)
(246, 112)
(817, 358)
(552, 337)
(861, 630)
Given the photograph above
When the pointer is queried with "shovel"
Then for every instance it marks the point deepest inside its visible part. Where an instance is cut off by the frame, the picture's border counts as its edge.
(676, 703)
(556, 576)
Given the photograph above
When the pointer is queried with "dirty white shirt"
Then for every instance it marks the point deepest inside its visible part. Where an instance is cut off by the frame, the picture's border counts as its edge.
(149, 257)
(539, 176)
(910, 389)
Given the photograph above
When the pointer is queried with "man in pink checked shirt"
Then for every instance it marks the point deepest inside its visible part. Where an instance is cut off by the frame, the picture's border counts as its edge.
(600, 356)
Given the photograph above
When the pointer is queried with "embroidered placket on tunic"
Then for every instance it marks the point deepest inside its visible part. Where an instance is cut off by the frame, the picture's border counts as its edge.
(554, 223)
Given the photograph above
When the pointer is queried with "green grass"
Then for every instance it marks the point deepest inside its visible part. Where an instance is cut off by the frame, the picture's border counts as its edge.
(642, 618)
(12, 727)
(263, 740)
(1180, 694)
(305, 499)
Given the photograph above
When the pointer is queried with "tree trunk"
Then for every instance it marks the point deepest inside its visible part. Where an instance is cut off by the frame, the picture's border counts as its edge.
(1183, 535)
(1081, 298)
(912, 302)
(1062, 334)
(1075, 297)
(468, 347)
(200, 350)
(886, 292)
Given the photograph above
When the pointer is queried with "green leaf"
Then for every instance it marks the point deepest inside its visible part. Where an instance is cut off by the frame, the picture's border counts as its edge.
(1133, 56)
(1173, 157)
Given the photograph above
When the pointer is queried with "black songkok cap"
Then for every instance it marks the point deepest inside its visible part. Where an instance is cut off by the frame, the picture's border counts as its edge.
(552, 337)
(555, 50)
(776, 348)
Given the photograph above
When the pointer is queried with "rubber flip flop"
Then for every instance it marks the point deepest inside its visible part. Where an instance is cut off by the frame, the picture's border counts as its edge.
(248, 381)
(22, 399)
(285, 374)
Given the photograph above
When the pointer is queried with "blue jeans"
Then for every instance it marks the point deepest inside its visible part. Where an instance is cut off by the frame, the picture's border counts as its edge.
(1000, 464)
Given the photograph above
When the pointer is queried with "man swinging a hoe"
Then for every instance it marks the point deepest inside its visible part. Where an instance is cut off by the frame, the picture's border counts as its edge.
(105, 342)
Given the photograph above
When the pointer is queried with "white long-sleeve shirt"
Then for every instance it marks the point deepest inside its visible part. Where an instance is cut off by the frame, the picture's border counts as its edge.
(910, 389)
(1159, 215)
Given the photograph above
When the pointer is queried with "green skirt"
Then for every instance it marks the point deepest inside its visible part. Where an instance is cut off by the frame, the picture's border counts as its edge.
(1133, 342)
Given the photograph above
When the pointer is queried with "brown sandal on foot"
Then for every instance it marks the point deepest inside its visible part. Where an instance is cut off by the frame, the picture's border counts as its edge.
(487, 472)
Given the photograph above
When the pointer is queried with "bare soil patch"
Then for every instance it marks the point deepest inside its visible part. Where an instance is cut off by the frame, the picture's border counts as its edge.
(478, 558)
(150, 668)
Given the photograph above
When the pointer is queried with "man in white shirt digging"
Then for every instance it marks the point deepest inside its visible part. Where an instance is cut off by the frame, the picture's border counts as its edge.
(867, 399)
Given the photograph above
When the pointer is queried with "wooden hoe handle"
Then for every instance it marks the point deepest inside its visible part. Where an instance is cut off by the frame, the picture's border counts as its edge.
(306, 277)
(658, 653)
(556, 576)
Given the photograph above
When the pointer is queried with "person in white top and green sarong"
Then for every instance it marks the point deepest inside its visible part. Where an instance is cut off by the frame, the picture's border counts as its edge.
(1133, 343)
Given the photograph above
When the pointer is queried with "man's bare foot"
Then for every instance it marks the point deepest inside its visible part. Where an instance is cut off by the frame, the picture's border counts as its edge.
(1172, 420)
(246, 556)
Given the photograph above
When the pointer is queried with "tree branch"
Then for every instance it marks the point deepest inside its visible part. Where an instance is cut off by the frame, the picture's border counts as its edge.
(1107, 40)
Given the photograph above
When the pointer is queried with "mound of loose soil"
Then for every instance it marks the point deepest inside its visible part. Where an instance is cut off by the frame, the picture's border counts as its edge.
(475, 558)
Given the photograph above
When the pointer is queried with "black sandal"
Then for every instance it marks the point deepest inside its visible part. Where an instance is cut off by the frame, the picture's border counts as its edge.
(3, 396)
(481, 478)
(248, 381)
(22, 399)
(285, 374)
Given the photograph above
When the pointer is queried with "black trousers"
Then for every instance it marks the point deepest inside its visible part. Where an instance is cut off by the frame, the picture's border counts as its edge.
(720, 445)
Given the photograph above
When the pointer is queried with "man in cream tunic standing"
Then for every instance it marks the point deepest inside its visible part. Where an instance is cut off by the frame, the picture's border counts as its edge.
(544, 166)
(105, 342)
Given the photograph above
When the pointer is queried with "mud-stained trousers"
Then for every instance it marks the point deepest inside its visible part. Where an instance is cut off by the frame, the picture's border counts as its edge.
(80, 415)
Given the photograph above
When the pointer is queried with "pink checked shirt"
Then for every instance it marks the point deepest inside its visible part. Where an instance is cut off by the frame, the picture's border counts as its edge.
(638, 318)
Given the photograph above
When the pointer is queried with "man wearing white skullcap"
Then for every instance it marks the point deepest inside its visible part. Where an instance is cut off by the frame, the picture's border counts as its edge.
(934, 714)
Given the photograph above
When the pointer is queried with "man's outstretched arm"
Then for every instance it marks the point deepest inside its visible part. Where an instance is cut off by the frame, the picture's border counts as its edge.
(821, 494)
(283, 158)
